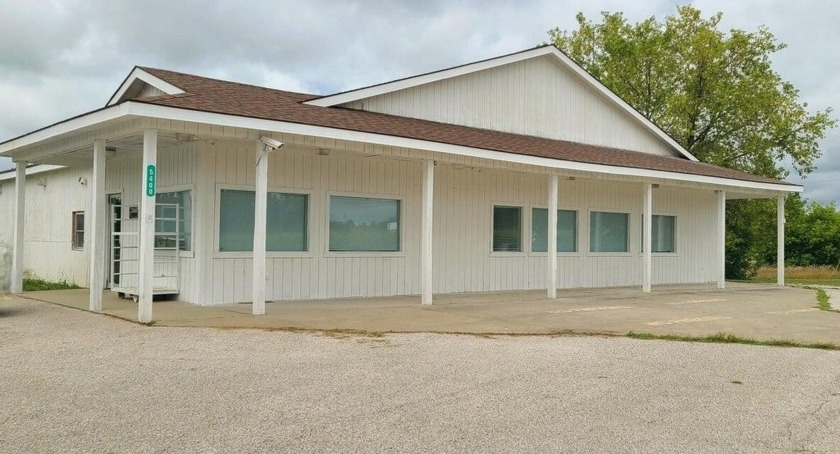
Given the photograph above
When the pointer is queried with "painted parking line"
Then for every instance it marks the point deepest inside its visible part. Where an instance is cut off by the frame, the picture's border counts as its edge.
(713, 300)
(686, 320)
(588, 309)
(793, 311)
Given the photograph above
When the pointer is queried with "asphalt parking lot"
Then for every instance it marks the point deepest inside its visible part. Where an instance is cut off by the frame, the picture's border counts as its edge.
(73, 381)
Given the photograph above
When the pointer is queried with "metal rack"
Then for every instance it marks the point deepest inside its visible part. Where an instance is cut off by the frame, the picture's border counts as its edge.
(125, 252)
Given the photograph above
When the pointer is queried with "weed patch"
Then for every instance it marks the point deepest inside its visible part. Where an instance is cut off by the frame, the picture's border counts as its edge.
(724, 338)
(36, 284)
(822, 300)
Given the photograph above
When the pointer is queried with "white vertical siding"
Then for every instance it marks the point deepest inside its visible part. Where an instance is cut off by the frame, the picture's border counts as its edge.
(51, 198)
(463, 203)
(176, 170)
(463, 233)
(463, 200)
(149, 90)
(318, 273)
(48, 244)
(534, 97)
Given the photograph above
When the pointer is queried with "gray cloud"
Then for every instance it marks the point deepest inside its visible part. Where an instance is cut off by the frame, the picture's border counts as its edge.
(59, 59)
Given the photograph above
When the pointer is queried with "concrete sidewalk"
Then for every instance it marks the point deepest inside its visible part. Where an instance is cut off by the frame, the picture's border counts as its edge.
(747, 310)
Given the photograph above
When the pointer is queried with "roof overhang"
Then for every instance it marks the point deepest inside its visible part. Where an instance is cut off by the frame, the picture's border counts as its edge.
(562, 58)
(16, 148)
(31, 170)
(128, 109)
(138, 77)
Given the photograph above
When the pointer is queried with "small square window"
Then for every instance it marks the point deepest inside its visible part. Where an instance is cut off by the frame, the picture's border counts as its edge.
(662, 233)
(608, 232)
(361, 224)
(183, 201)
(286, 221)
(566, 230)
(507, 229)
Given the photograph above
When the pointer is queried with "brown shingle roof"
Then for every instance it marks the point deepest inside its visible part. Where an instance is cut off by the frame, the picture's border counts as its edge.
(211, 95)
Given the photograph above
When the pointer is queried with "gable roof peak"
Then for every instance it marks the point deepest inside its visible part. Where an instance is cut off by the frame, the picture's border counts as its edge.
(138, 79)
(540, 51)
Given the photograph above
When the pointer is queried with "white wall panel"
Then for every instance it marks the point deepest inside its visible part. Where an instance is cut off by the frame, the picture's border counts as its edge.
(463, 202)
(176, 170)
(318, 273)
(463, 233)
(51, 198)
(534, 97)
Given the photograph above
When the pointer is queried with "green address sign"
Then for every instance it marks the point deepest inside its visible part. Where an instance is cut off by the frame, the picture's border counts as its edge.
(150, 180)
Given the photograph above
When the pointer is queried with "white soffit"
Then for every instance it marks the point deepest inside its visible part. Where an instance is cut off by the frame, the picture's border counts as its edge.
(563, 59)
(137, 74)
(31, 170)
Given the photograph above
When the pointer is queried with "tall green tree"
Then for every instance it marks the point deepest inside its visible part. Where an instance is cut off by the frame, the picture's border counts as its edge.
(715, 92)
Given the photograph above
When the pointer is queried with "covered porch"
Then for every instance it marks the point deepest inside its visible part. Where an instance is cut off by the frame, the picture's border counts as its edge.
(137, 136)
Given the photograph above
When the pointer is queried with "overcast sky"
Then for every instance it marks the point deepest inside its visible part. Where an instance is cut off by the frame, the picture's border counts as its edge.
(62, 58)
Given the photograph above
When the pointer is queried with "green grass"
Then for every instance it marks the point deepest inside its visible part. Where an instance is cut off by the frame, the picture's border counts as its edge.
(800, 281)
(802, 275)
(723, 338)
(822, 300)
(36, 284)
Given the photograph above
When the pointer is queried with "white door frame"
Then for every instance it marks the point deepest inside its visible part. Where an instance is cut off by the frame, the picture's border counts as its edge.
(108, 259)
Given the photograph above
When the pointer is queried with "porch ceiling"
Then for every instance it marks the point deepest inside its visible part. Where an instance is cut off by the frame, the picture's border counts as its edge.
(83, 157)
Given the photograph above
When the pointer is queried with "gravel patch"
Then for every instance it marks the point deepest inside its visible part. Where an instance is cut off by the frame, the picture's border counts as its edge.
(72, 381)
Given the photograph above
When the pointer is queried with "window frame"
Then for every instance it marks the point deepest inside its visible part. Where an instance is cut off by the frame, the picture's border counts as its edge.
(310, 208)
(181, 188)
(404, 210)
(74, 231)
(630, 216)
(525, 225)
(642, 229)
(578, 241)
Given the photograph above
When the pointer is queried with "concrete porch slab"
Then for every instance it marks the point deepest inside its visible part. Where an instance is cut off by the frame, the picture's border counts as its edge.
(746, 310)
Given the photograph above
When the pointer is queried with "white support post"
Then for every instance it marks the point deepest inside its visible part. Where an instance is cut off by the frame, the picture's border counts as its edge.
(551, 241)
(780, 239)
(647, 246)
(260, 216)
(147, 227)
(97, 229)
(20, 215)
(426, 230)
(721, 239)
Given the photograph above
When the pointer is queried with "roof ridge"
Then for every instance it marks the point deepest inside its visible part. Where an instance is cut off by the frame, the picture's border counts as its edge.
(540, 46)
(152, 71)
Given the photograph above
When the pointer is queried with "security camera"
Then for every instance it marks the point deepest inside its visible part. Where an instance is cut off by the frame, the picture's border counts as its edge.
(82, 181)
(271, 143)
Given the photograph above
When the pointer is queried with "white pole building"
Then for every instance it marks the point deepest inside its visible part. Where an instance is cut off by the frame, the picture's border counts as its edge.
(514, 173)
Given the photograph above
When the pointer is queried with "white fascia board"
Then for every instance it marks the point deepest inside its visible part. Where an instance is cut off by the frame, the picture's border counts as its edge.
(172, 113)
(33, 170)
(388, 87)
(402, 84)
(154, 81)
(64, 127)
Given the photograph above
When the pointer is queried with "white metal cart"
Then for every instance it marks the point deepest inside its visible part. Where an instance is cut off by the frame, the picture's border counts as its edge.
(125, 252)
